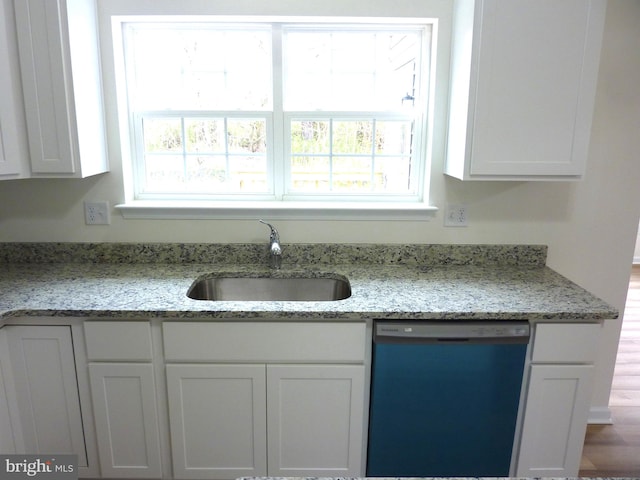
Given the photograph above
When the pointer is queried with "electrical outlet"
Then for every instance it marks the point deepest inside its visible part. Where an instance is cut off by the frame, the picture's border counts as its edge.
(456, 216)
(96, 213)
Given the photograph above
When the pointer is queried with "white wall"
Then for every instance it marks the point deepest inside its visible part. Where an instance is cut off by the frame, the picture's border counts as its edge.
(590, 226)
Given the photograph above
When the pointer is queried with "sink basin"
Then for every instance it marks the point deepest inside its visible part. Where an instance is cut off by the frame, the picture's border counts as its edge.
(293, 289)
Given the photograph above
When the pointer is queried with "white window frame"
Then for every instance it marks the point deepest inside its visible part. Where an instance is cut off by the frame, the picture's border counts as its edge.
(397, 208)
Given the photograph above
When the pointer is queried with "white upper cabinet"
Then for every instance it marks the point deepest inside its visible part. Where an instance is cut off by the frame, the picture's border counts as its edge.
(523, 83)
(14, 155)
(60, 65)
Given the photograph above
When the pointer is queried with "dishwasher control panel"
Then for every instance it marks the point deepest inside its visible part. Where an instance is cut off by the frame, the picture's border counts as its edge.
(451, 331)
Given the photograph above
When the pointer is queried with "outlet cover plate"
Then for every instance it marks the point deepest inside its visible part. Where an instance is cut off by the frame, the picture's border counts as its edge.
(456, 216)
(97, 213)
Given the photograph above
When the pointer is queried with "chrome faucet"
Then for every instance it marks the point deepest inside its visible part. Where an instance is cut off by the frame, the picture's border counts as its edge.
(275, 251)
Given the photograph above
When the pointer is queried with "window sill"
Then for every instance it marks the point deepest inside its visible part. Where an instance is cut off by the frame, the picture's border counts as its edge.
(277, 211)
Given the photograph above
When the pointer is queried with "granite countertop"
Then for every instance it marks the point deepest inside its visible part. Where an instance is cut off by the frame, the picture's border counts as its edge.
(409, 282)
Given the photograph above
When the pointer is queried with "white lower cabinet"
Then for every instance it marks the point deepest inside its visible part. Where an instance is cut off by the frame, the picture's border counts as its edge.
(46, 388)
(8, 441)
(266, 399)
(124, 399)
(555, 420)
(314, 417)
(558, 400)
(246, 399)
(230, 421)
(218, 420)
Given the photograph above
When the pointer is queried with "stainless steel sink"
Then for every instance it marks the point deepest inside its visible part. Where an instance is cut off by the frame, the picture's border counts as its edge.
(295, 289)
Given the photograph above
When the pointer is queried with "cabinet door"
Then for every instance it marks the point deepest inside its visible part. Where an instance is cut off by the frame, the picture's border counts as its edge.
(9, 443)
(316, 418)
(124, 407)
(14, 158)
(217, 416)
(555, 420)
(533, 75)
(45, 72)
(47, 390)
(60, 65)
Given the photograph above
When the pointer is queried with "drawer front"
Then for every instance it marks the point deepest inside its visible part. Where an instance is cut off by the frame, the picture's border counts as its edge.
(264, 342)
(566, 343)
(118, 341)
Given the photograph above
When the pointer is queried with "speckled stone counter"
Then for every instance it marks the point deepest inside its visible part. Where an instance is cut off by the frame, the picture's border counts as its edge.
(410, 282)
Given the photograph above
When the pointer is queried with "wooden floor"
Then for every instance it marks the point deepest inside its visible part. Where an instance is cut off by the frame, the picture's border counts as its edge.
(614, 450)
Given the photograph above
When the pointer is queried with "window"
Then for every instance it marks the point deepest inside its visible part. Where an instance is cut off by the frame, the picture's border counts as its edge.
(277, 111)
(201, 99)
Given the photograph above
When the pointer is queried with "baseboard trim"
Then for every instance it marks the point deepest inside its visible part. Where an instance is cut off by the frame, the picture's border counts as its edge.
(600, 416)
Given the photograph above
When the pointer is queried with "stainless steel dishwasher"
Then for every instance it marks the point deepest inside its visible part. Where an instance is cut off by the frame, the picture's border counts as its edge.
(445, 397)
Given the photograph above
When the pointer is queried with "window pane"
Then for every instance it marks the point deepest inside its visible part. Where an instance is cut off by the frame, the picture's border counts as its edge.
(249, 174)
(247, 136)
(349, 70)
(206, 173)
(164, 173)
(310, 174)
(199, 66)
(352, 174)
(205, 135)
(353, 137)
(311, 136)
(394, 137)
(392, 175)
(220, 174)
(162, 135)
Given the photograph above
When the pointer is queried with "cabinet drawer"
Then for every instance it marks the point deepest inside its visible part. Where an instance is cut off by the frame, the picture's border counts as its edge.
(264, 342)
(566, 343)
(118, 341)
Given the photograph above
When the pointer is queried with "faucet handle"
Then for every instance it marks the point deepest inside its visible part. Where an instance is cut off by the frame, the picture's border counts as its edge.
(274, 233)
(275, 251)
